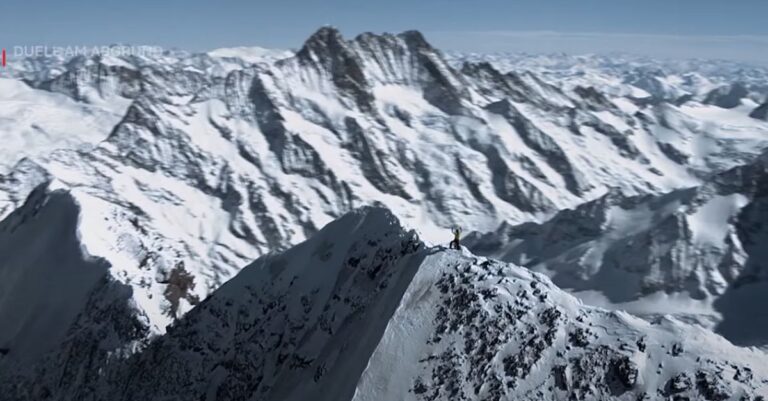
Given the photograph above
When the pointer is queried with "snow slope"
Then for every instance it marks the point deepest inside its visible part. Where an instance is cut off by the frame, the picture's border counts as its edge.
(35, 122)
(365, 311)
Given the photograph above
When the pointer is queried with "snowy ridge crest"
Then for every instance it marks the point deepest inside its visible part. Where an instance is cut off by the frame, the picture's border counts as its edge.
(335, 316)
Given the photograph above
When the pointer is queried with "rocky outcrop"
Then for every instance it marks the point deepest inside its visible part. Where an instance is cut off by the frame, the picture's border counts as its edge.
(727, 97)
(761, 112)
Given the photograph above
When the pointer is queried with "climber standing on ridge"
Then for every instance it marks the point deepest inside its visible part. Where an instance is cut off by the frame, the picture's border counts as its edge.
(456, 238)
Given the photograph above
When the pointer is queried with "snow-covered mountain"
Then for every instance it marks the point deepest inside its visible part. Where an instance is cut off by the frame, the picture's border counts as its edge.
(216, 160)
(213, 165)
(704, 243)
(671, 80)
(365, 311)
(509, 147)
(35, 122)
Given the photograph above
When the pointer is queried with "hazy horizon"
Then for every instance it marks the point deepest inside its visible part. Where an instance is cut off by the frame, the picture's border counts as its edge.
(655, 28)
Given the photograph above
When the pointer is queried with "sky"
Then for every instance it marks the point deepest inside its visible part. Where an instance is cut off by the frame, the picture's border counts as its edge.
(734, 29)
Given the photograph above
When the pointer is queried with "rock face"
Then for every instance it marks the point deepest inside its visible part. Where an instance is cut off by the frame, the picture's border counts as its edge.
(705, 241)
(761, 112)
(727, 97)
(365, 311)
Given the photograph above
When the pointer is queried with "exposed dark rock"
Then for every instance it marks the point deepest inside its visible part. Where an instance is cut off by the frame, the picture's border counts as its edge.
(673, 153)
(593, 98)
(373, 161)
(761, 112)
(327, 49)
(727, 97)
(543, 144)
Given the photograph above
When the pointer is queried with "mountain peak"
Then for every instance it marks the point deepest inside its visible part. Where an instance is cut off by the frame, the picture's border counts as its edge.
(728, 96)
(761, 112)
(327, 37)
(416, 40)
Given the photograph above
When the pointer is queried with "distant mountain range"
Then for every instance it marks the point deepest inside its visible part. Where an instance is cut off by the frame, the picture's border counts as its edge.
(135, 188)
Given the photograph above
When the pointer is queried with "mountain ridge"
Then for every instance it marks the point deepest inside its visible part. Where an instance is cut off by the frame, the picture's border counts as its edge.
(339, 306)
(702, 241)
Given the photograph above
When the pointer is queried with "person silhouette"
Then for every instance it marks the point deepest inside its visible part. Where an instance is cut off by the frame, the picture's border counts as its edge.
(455, 244)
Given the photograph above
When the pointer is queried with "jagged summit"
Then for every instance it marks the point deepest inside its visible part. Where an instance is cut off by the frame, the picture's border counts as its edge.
(371, 59)
(329, 42)
(323, 42)
(416, 40)
(329, 36)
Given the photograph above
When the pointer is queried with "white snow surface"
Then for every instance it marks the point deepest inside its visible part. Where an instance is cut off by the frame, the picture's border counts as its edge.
(693, 252)
(251, 54)
(35, 122)
(364, 311)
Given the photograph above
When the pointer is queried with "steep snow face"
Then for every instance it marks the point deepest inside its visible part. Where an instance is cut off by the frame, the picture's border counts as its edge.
(65, 314)
(37, 305)
(365, 311)
(704, 243)
(291, 323)
(472, 329)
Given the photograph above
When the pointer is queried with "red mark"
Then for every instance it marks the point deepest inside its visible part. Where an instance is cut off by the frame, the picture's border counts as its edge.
(3, 57)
